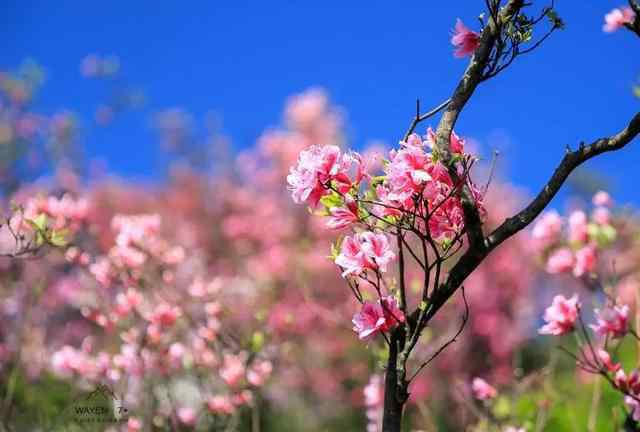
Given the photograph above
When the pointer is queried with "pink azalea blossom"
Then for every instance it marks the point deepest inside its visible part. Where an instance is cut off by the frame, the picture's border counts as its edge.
(482, 390)
(456, 144)
(630, 383)
(617, 18)
(547, 229)
(317, 166)
(586, 261)
(233, 369)
(221, 405)
(165, 315)
(560, 261)
(259, 372)
(134, 424)
(612, 321)
(634, 407)
(374, 402)
(380, 316)
(601, 215)
(561, 316)
(602, 199)
(187, 416)
(578, 227)
(366, 250)
(465, 40)
(342, 217)
(605, 358)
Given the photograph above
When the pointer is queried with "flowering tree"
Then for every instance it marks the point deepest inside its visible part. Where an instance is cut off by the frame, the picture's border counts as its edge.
(425, 208)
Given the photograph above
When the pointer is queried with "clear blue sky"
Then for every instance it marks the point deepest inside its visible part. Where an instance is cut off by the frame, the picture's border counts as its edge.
(242, 59)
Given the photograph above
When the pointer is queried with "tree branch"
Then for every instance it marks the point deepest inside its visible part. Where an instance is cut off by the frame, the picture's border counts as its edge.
(572, 159)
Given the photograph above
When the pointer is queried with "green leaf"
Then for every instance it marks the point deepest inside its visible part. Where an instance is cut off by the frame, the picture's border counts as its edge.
(58, 238)
(39, 223)
(331, 200)
(257, 341)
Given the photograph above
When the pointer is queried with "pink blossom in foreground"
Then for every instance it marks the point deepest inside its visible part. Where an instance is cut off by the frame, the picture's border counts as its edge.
(342, 217)
(617, 18)
(408, 169)
(605, 358)
(634, 407)
(380, 316)
(456, 145)
(560, 261)
(628, 384)
(586, 261)
(318, 166)
(465, 40)
(482, 390)
(561, 316)
(612, 321)
(365, 250)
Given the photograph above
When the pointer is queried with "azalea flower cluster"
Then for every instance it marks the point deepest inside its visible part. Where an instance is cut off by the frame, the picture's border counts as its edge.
(573, 245)
(414, 182)
(611, 324)
(618, 18)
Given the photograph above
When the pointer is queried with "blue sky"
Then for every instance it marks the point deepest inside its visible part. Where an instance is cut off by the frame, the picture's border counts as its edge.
(242, 59)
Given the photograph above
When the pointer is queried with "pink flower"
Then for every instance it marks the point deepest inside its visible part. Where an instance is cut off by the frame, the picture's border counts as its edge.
(342, 217)
(233, 369)
(482, 390)
(547, 229)
(605, 358)
(617, 18)
(408, 169)
(561, 260)
(221, 405)
(165, 315)
(586, 261)
(380, 316)
(634, 407)
(601, 215)
(366, 250)
(134, 424)
(374, 400)
(187, 416)
(612, 321)
(456, 143)
(602, 199)
(578, 227)
(259, 372)
(561, 316)
(318, 166)
(465, 40)
(626, 383)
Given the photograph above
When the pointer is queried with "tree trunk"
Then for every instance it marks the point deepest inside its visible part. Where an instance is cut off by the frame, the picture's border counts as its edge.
(394, 395)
